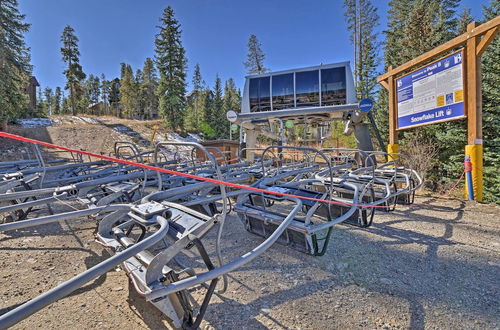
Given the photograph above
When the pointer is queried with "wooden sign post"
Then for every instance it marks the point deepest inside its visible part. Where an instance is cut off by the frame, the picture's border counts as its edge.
(475, 41)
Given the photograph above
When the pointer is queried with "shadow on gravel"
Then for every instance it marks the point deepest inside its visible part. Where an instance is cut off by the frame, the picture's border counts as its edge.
(153, 318)
(90, 261)
(409, 264)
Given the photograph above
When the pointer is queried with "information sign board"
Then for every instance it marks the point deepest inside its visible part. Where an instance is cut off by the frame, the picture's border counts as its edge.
(434, 93)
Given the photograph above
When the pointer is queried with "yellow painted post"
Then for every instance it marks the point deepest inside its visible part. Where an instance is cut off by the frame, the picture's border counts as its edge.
(393, 149)
(475, 152)
(474, 146)
(393, 146)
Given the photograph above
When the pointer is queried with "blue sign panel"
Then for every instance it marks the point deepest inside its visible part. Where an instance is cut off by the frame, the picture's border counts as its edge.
(434, 93)
(365, 105)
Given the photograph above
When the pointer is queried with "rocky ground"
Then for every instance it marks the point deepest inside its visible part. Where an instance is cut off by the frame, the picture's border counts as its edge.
(432, 265)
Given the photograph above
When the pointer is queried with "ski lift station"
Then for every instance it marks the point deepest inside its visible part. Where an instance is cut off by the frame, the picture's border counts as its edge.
(312, 96)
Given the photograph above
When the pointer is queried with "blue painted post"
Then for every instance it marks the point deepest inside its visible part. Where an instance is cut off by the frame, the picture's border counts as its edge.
(468, 173)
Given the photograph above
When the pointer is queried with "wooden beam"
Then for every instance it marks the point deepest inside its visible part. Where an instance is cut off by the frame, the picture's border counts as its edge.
(474, 108)
(384, 83)
(487, 39)
(393, 116)
(453, 43)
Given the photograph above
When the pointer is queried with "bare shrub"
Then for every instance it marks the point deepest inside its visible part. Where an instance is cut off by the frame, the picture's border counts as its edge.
(419, 153)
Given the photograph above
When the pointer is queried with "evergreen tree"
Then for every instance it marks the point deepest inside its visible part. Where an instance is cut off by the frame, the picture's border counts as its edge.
(65, 107)
(128, 92)
(362, 19)
(491, 110)
(57, 100)
(147, 88)
(195, 112)
(206, 125)
(446, 21)
(41, 106)
(231, 101)
(14, 62)
(49, 100)
(255, 56)
(114, 97)
(74, 73)
(93, 88)
(105, 90)
(92, 91)
(218, 121)
(171, 62)
(123, 68)
(232, 97)
(464, 18)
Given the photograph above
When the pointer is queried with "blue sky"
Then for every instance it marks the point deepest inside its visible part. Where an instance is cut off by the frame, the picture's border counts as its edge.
(293, 33)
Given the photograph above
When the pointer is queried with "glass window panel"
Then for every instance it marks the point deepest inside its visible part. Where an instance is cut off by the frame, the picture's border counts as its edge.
(259, 94)
(283, 91)
(264, 94)
(307, 88)
(333, 86)
(254, 94)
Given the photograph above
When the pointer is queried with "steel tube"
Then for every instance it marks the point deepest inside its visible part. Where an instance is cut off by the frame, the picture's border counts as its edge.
(61, 216)
(226, 268)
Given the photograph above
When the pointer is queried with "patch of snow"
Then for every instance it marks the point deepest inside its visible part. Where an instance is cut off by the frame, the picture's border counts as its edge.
(196, 137)
(35, 122)
(86, 119)
(121, 129)
(174, 137)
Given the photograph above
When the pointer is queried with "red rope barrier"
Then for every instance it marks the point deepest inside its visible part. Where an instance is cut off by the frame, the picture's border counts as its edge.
(186, 175)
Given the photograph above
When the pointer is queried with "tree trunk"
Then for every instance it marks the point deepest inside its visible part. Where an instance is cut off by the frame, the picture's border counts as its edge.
(3, 125)
(73, 105)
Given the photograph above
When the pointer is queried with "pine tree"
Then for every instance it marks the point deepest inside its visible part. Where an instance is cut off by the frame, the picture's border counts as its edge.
(114, 97)
(41, 106)
(74, 73)
(446, 22)
(209, 98)
(147, 88)
(206, 125)
(232, 98)
(255, 56)
(128, 92)
(362, 19)
(14, 62)
(171, 62)
(231, 101)
(49, 100)
(105, 90)
(65, 108)
(218, 121)
(464, 18)
(57, 100)
(92, 88)
(491, 110)
(195, 111)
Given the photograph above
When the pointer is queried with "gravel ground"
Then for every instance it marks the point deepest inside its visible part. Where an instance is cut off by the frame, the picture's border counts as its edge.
(435, 264)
